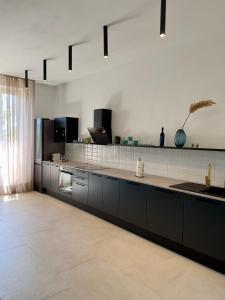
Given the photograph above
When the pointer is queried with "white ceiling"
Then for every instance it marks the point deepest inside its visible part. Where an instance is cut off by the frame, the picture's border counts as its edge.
(32, 30)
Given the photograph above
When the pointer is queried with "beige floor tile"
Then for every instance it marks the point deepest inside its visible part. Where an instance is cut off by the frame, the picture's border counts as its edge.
(23, 275)
(158, 271)
(96, 279)
(189, 286)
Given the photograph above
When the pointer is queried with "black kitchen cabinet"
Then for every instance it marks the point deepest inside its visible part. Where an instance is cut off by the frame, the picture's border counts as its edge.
(165, 213)
(66, 130)
(110, 196)
(38, 177)
(54, 177)
(95, 191)
(204, 226)
(133, 203)
(46, 174)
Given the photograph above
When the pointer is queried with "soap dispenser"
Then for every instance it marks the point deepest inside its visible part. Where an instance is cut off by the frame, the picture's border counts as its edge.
(140, 168)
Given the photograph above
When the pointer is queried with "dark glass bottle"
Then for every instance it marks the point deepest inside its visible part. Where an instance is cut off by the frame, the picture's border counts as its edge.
(162, 138)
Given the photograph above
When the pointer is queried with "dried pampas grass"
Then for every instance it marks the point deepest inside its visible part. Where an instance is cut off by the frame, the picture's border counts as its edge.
(196, 106)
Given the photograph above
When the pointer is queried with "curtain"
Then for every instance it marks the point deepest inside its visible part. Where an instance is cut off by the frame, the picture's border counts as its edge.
(16, 135)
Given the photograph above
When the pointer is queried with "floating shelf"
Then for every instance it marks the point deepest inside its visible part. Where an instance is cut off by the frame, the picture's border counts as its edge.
(158, 147)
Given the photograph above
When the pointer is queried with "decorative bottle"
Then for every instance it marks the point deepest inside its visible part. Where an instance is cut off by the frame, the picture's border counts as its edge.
(162, 138)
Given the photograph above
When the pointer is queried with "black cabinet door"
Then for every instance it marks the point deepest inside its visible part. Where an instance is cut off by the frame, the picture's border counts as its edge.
(46, 175)
(110, 196)
(54, 177)
(165, 213)
(66, 129)
(95, 191)
(80, 192)
(37, 177)
(204, 226)
(133, 203)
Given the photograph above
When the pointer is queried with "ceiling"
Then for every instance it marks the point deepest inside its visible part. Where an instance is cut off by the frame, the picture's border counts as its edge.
(32, 30)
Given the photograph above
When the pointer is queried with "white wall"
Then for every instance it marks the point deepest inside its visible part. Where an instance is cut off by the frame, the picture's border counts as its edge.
(45, 96)
(156, 91)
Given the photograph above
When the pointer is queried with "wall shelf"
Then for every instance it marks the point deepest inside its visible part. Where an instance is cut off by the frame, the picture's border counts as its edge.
(158, 147)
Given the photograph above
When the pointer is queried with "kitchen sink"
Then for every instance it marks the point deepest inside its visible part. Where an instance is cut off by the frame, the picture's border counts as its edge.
(215, 191)
(200, 188)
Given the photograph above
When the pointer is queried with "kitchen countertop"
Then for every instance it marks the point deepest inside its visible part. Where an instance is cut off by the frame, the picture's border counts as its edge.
(148, 179)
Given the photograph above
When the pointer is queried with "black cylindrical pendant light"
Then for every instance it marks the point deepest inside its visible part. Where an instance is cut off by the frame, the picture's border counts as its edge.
(26, 79)
(70, 58)
(163, 19)
(45, 69)
(105, 38)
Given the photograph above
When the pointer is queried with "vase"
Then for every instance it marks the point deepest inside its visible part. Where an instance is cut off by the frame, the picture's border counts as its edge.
(180, 138)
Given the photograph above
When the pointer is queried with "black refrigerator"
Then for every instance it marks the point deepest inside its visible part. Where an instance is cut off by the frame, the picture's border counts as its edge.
(44, 147)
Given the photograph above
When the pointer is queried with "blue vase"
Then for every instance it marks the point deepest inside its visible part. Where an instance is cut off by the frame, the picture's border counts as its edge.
(180, 138)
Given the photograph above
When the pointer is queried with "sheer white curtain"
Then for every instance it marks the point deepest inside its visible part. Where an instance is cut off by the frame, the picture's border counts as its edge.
(16, 135)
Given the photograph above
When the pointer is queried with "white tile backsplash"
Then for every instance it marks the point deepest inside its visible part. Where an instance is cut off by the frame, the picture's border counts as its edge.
(189, 165)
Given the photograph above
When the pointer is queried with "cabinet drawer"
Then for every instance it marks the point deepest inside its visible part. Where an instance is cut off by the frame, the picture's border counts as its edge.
(80, 176)
(80, 192)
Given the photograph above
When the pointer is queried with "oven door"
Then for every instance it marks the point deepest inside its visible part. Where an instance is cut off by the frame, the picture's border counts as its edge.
(65, 182)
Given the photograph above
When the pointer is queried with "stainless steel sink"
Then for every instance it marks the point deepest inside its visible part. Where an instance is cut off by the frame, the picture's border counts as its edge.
(200, 188)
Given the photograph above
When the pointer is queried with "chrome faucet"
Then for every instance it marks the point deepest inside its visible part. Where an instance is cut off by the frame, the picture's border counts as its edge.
(208, 179)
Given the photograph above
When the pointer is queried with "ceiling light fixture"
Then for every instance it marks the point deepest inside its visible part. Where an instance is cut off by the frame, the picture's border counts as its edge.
(105, 39)
(70, 58)
(45, 69)
(26, 79)
(163, 19)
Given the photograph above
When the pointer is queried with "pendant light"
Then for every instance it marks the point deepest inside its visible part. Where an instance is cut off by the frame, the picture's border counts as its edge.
(26, 79)
(70, 58)
(45, 69)
(105, 40)
(163, 19)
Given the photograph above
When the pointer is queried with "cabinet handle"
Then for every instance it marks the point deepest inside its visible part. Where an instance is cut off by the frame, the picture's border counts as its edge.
(97, 175)
(82, 178)
(78, 183)
(81, 171)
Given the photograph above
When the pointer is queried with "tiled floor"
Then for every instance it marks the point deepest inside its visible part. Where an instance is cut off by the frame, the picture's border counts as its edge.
(50, 250)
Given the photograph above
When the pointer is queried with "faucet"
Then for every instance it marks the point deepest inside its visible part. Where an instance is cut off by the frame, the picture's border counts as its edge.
(208, 178)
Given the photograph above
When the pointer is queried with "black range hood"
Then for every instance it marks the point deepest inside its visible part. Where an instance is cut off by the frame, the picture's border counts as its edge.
(101, 133)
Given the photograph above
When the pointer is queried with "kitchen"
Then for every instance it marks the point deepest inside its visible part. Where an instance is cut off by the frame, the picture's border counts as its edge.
(124, 196)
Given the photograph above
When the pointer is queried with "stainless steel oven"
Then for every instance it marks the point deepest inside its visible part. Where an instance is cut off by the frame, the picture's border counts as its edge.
(65, 179)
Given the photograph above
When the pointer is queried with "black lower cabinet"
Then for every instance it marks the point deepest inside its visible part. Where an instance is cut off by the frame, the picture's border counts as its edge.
(165, 213)
(110, 196)
(38, 177)
(46, 175)
(95, 191)
(133, 203)
(204, 226)
(80, 192)
(54, 176)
